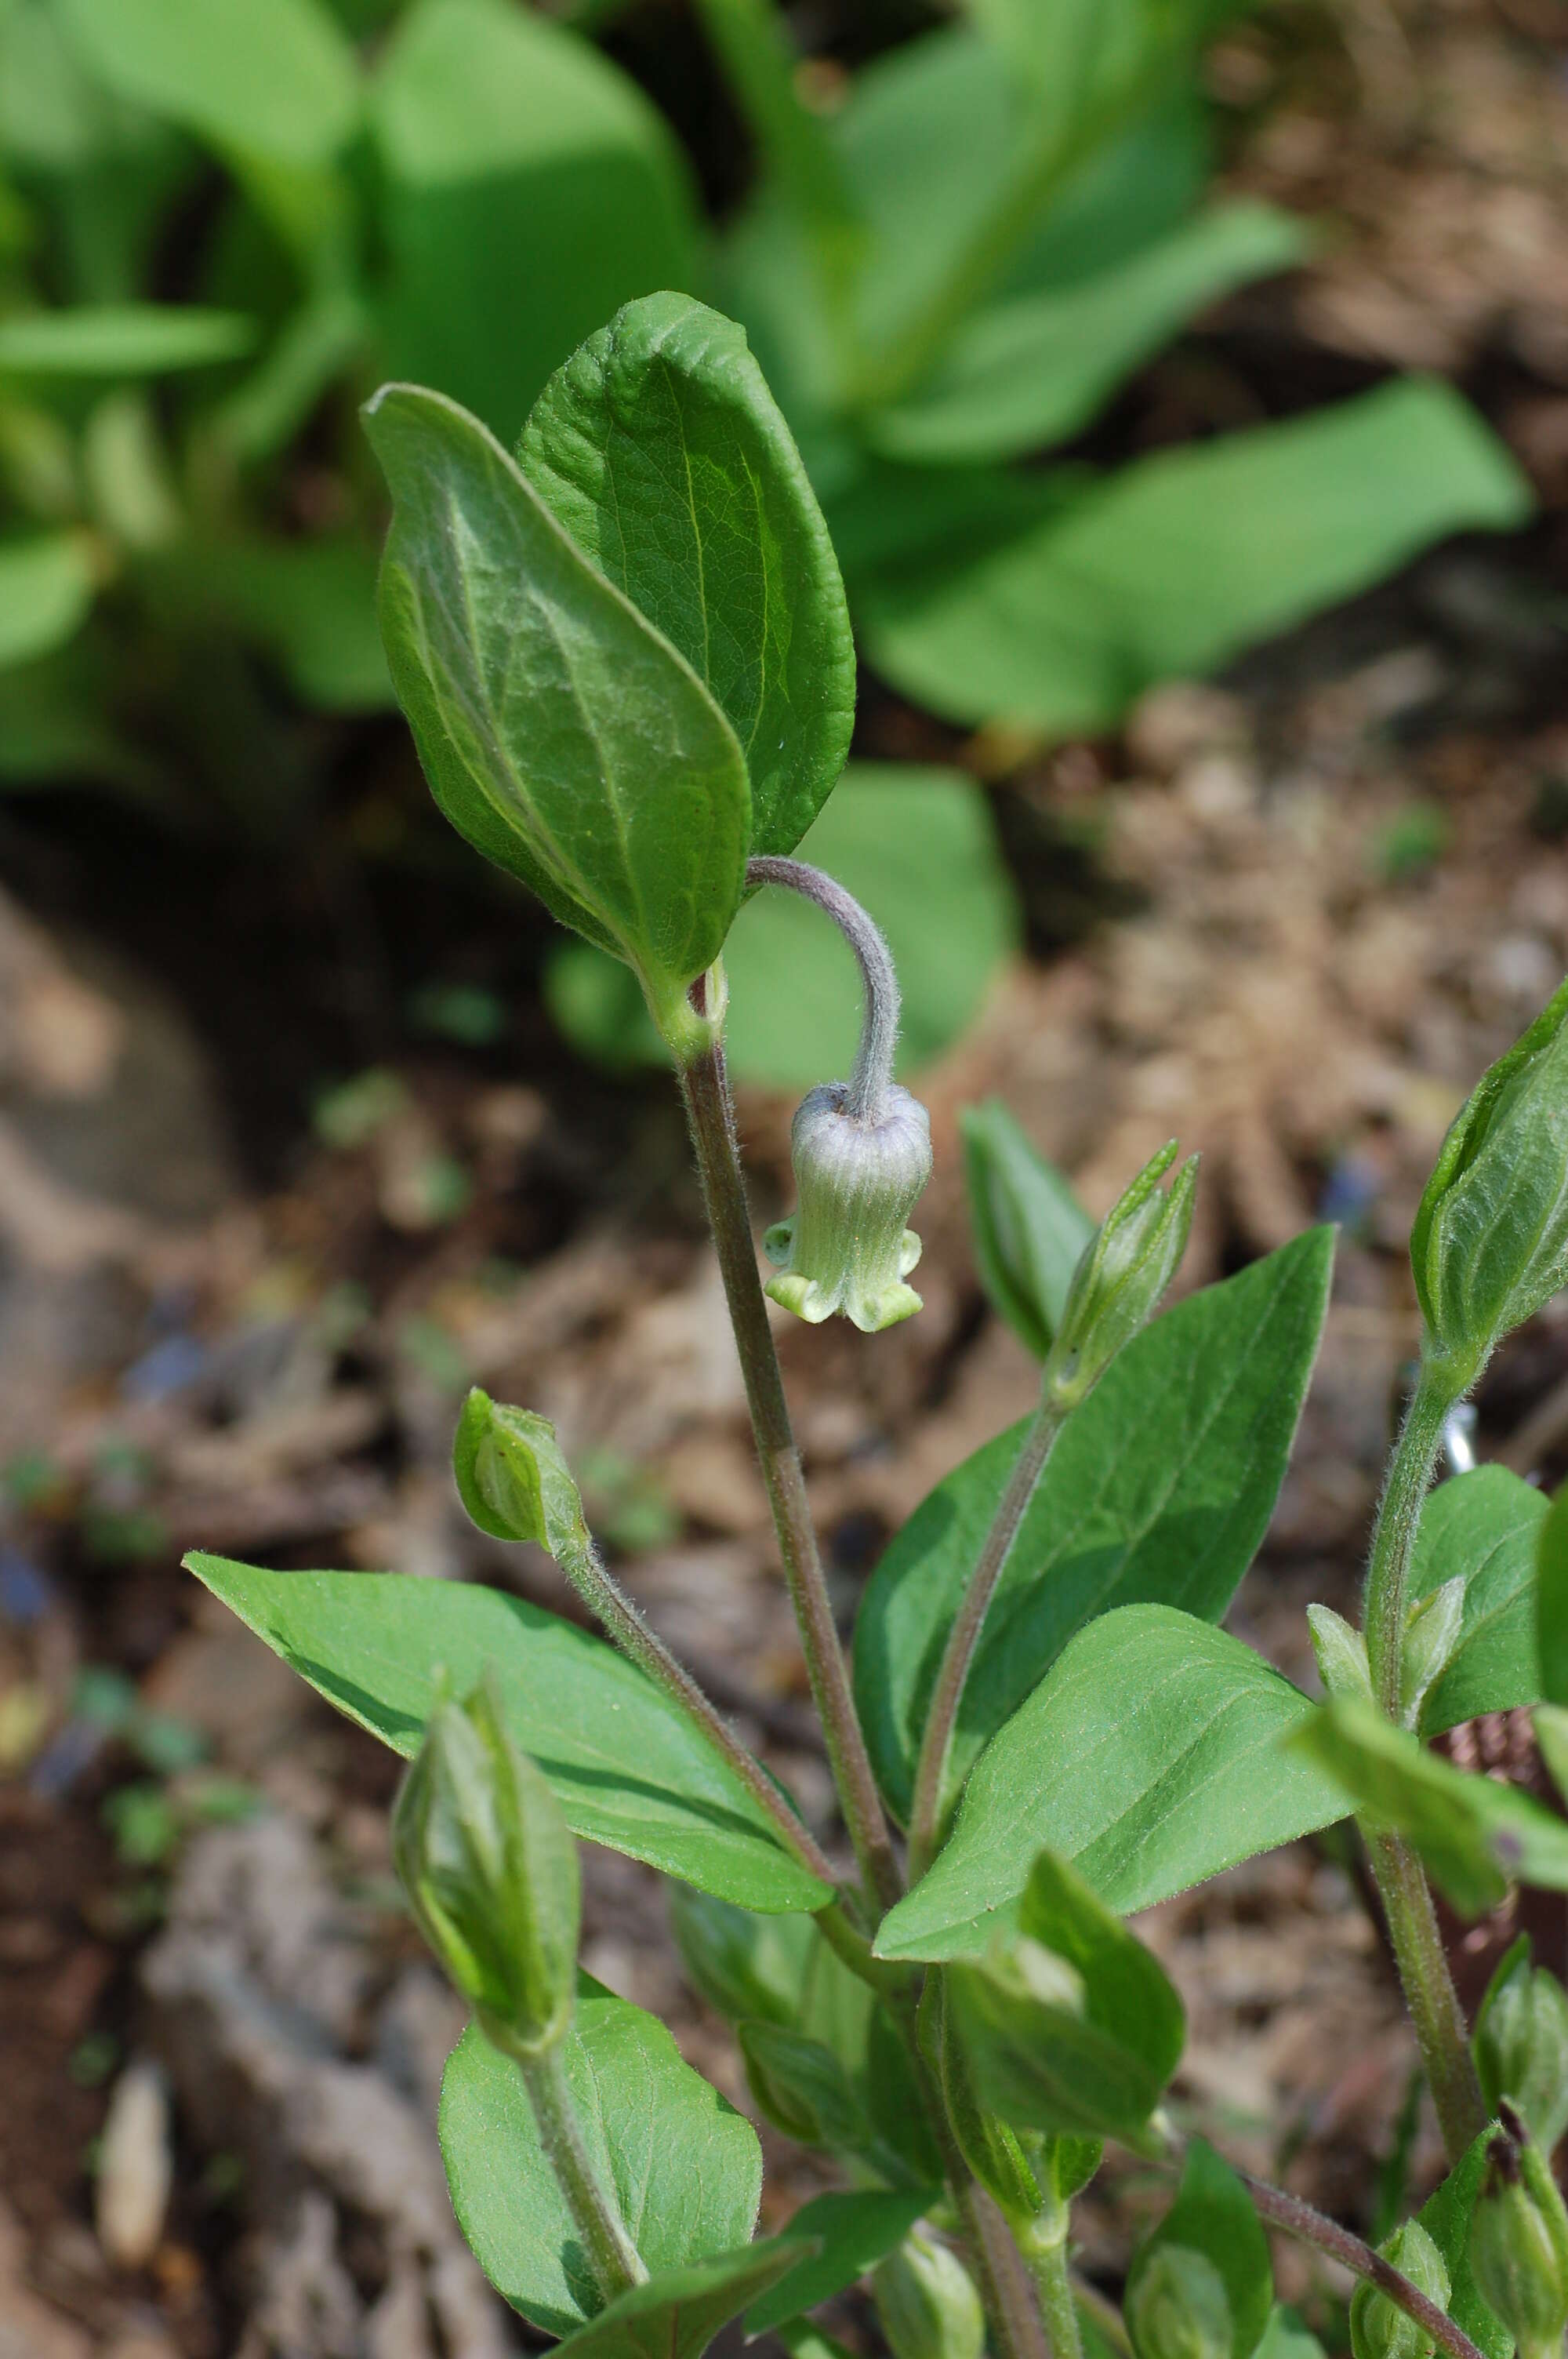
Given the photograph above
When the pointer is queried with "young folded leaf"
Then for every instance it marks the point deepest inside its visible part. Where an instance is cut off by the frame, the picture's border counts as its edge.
(1521, 2044)
(1212, 2217)
(851, 2234)
(927, 2304)
(676, 2314)
(1379, 2331)
(1030, 1230)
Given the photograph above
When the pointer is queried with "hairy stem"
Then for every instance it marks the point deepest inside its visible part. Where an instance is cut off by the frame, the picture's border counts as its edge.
(706, 1088)
(936, 1744)
(1387, 1605)
(1044, 2250)
(623, 1623)
(1433, 2003)
(596, 2215)
(1000, 2268)
(1310, 2227)
(879, 1029)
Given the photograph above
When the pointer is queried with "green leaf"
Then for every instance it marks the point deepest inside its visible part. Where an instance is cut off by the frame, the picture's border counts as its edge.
(46, 589)
(1213, 2215)
(1160, 1489)
(917, 847)
(852, 2232)
(1147, 1756)
(307, 604)
(120, 340)
(1551, 1602)
(1176, 562)
(627, 1767)
(531, 190)
(1285, 2337)
(1445, 2215)
(278, 82)
(1073, 2028)
(677, 2313)
(1034, 369)
(663, 453)
(1476, 1836)
(685, 2168)
(560, 732)
(1551, 1722)
(1029, 1229)
(1486, 1527)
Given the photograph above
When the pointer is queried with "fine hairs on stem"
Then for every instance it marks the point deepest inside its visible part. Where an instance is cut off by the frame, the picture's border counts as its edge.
(872, 1071)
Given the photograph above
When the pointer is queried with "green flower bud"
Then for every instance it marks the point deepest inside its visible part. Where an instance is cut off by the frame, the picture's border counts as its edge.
(1378, 2329)
(1521, 2044)
(846, 1248)
(512, 1478)
(1490, 1240)
(927, 2304)
(1177, 2307)
(491, 1871)
(1519, 2242)
(1122, 1274)
(1431, 1636)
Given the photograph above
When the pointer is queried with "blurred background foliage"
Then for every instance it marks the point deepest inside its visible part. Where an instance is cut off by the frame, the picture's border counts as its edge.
(952, 240)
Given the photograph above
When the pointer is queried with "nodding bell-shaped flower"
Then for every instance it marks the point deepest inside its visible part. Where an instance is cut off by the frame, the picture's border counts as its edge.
(846, 1247)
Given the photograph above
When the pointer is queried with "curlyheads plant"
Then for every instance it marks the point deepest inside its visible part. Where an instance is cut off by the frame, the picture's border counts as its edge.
(625, 659)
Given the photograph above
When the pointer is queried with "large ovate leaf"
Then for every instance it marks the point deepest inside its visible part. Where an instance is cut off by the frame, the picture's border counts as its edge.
(1147, 1756)
(677, 2313)
(278, 82)
(1446, 2215)
(46, 583)
(1485, 1528)
(1551, 1602)
(1159, 1489)
(852, 2233)
(531, 190)
(1176, 562)
(1476, 1836)
(560, 733)
(628, 1768)
(1213, 2214)
(662, 452)
(120, 340)
(685, 2168)
(1034, 368)
(916, 846)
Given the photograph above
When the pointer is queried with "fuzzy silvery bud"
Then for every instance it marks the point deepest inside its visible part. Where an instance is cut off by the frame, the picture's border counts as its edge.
(1122, 1276)
(1490, 1242)
(1521, 2044)
(846, 1247)
(1341, 1654)
(1378, 2329)
(927, 2303)
(491, 1871)
(1518, 2243)
(1431, 1636)
(1177, 2307)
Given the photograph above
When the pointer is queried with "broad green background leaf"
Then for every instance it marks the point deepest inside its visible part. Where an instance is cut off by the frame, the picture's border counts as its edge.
(1147, 1756)
(1034, 368)
(854, 2231)
(1213, 2215)
(120, 340)
(531, 190)
(1551, 1602)
(1159, 1489)
(278, 81)
(1027, 1227)
(1176, 562)
(917, 847)
(1551, 1722)
(1477, 1836)
(308, 604)
(1485, 1525)
(628, 1769)
(539, 698)
(46, 588)
(677, 2313)
(686, 2167)
(1445, 2216)
(662, 452)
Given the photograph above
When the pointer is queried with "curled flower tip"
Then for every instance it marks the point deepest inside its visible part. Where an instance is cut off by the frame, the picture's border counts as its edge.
(846, 1247)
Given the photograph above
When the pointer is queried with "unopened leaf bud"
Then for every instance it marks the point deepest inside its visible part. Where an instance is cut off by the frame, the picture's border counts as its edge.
(491, 1871)
(1177, 2307)
(1490, 1242)
(1521, 2044)
(802, 2087)
(1122, 1276)
(846, 1247)
(1341, 1654)
(1431, 1636)
(927, 2303)
(1379, 2328)
(1519, 2242)
(512, 1478)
